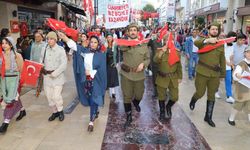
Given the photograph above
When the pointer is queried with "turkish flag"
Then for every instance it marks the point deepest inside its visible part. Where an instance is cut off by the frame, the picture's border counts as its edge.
(212, 47)
(173, 57)
(163, 31)
(93, 34)
(55, 24)
(3, 62)
(30, 73)
(72, 33)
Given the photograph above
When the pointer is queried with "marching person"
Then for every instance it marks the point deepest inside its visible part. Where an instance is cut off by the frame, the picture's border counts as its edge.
(112, 73)
(135, 60)
(242, 93)
(36, 47)
(54, 59)
(91, 74)
(210, 68)
(153, 44)
(191, 53)
(168, 77)
(10, 87)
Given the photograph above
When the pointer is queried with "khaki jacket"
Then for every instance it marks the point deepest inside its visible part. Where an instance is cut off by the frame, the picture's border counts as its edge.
(133, 56)
(212, 58)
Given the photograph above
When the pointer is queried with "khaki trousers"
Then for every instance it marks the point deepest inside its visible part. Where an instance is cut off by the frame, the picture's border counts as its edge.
(54, 96)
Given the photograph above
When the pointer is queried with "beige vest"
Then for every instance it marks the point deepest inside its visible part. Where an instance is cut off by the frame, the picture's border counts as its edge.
(242, 93)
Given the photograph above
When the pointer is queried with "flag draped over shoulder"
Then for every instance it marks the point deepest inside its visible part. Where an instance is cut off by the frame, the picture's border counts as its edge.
(173, 57)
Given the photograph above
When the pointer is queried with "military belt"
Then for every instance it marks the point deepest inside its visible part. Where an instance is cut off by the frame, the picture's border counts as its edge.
(215, 68)
(163, 74)
(45, 72)
(126, 68)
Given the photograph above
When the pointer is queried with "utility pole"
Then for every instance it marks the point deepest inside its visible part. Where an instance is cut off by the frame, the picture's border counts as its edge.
(96, 11)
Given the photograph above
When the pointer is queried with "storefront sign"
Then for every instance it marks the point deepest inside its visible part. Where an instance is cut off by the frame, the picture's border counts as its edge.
(117, 16)
(14, 26)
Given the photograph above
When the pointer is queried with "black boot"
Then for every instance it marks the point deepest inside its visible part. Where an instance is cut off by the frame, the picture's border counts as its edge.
(192, 103)
(137, 106)
(53, 116)
(21, 115)
(209, 113)
(162, 111)
(4, 128)
(129, 115)
(61, 116)
(168, 108)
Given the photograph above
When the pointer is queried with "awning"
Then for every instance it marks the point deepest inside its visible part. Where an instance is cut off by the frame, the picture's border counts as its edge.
(72, 7)
(243, 11)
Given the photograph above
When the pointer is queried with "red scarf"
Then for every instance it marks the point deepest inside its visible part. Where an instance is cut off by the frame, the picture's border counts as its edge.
(124, 42)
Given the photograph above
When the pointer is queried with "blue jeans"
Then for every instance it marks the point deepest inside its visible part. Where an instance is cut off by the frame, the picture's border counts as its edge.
(193, 60)
(228, 83)
(93, 108)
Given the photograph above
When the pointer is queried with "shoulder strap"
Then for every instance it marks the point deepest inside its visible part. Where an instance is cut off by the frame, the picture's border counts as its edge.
(45, 53)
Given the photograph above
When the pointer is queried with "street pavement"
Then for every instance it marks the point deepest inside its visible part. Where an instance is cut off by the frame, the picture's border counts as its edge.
(35, 132)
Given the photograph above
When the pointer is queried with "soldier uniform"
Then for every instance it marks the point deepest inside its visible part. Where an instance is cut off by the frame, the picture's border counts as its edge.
(153, 44)
(167, 78)
(132, 82)
(210, 68)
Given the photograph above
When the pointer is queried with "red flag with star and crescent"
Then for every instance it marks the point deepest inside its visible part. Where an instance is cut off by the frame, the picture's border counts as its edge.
(30, 73)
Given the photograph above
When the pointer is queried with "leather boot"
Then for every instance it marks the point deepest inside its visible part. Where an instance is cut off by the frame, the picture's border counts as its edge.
(129, 115)
(162, 111)
(4, 128)
(209, 113)
(192, 103)
(53, 116)
(168, 108)
(21, 115)
(61, 116)
(137, 106)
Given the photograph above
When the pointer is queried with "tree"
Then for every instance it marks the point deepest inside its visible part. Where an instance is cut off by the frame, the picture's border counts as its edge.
(149, 8)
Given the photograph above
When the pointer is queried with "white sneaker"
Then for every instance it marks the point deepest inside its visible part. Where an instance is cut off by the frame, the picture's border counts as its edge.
(217, 95)
(230, 100)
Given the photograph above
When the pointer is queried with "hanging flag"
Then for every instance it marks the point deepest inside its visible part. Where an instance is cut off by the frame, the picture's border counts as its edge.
(124, 42)
(163, 31)
(212, 47)
(2, 62)
(90, 7)
(173, 57)
(84, 4)
(55, 24)
(30, 73)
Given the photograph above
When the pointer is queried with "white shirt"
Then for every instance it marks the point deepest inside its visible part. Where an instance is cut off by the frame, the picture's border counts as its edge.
(238, 53)
(195, 48)
(239, 70)
(88, 58)
(229, 51)
(88, 63)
